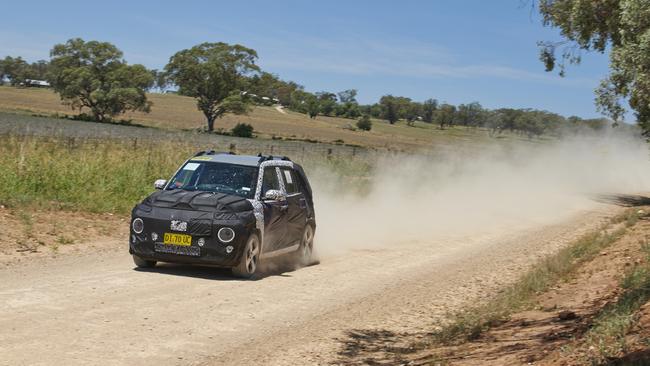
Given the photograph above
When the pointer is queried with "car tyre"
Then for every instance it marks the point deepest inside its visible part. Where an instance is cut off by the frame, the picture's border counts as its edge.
(306, 250)
(143, 263)
(250, 259)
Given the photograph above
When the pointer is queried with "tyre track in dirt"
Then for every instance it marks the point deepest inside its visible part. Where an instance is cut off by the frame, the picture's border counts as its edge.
(94, 308)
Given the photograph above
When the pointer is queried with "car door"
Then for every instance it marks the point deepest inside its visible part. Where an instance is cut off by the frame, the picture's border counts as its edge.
(297, 210)
(275, 212)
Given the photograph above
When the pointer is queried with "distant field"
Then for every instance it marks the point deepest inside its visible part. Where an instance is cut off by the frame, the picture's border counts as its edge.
(178, 112)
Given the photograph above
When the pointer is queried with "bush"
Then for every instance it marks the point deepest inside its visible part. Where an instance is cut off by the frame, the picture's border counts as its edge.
(364, 123)
(242, 130)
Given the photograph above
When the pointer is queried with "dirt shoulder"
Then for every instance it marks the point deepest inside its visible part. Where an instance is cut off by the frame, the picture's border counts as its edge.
(31, 234)
(589, 317)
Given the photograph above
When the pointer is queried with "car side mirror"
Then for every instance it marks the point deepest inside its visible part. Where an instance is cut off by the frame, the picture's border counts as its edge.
(274, 195)
(159, 184)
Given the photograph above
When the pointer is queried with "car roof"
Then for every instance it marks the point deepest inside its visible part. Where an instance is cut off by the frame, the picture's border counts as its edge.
(229, 158)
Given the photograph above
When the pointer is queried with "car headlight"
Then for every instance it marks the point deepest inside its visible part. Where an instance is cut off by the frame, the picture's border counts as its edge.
(226, 234)
(138, 225)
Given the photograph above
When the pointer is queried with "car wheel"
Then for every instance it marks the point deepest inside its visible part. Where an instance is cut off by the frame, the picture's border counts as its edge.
(143, 263)
(306, 249)
(250, 259)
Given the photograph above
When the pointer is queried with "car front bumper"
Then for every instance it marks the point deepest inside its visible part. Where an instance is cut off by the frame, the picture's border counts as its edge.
(212, 252)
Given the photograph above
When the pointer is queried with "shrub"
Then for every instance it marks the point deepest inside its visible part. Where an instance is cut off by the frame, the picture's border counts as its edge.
(364, 123)
(242, 130)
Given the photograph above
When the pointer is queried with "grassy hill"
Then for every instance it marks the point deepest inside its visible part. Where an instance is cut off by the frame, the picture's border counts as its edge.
(178, 112)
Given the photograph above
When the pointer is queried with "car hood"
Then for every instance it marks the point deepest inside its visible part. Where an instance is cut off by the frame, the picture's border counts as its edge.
(199, 201)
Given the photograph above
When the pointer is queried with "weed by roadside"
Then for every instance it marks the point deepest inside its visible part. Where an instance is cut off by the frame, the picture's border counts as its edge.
(630, 217)
(28, 223)
(471, 323)
(63, 240)
(606, 339)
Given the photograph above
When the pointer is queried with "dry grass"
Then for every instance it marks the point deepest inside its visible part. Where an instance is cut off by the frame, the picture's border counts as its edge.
(473, 322)
(606, 339)
(107, 175)
(178, 112)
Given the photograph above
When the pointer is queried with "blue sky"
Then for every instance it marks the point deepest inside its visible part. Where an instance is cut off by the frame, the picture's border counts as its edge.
(456, 51)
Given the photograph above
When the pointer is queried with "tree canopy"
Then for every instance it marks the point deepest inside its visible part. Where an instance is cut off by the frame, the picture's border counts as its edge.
(216, 75)
(621, 26)
(93, 75)
(19, 71)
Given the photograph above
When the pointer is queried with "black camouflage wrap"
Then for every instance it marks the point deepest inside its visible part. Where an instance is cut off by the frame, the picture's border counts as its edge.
(205, 213)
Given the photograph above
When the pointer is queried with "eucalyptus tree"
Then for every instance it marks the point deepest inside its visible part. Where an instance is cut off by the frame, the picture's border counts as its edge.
(215, 74)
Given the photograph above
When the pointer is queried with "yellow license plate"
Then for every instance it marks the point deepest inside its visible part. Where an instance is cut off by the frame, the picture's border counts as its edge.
(177, 239)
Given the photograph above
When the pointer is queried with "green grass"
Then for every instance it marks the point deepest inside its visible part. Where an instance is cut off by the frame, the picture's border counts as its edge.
(105, 176)
(471, 323)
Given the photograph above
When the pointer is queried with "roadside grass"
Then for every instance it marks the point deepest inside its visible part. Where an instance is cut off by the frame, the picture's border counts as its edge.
(471, 323)
(606, 339)
(180, 113)
(28, 223)
(105, 175)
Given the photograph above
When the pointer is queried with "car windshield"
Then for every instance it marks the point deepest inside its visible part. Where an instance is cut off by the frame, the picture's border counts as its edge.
(215, 177)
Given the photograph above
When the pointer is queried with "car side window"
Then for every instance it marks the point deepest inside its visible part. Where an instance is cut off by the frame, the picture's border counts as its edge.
(291, 183)
(270, 180)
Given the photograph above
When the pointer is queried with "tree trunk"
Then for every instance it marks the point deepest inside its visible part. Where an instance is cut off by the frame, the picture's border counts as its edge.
(211, 123)
(98, 116)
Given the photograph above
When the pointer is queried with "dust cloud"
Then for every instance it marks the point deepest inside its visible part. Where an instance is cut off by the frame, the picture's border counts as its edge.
(495, 189)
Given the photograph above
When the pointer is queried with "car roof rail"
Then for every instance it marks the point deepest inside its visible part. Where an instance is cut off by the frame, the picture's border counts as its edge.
(279, 157)
(212, 152)
(272, 157)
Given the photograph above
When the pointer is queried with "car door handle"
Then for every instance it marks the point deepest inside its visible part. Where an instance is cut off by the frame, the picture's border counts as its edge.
(303, 203)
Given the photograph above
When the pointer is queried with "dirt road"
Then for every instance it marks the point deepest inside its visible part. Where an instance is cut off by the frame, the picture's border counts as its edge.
(95, 308)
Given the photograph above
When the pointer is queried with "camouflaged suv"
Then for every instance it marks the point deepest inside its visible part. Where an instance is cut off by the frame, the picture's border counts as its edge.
(226, 210)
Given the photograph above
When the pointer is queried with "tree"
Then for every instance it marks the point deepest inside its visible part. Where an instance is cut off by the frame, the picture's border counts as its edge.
(312, 105)
(215, 74)
(428, 109)
(445, 115)
(574, 120)
(471, 114)
(327, 102)
(284, 91)
(348, 106)
(411, 111)
(348, 96)
(160, 81)
(3, 72)
(93, 75)
(364, 123)
(15, 69)
(18, 71)
(620, 26)
(38, 70)
(389, 108)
